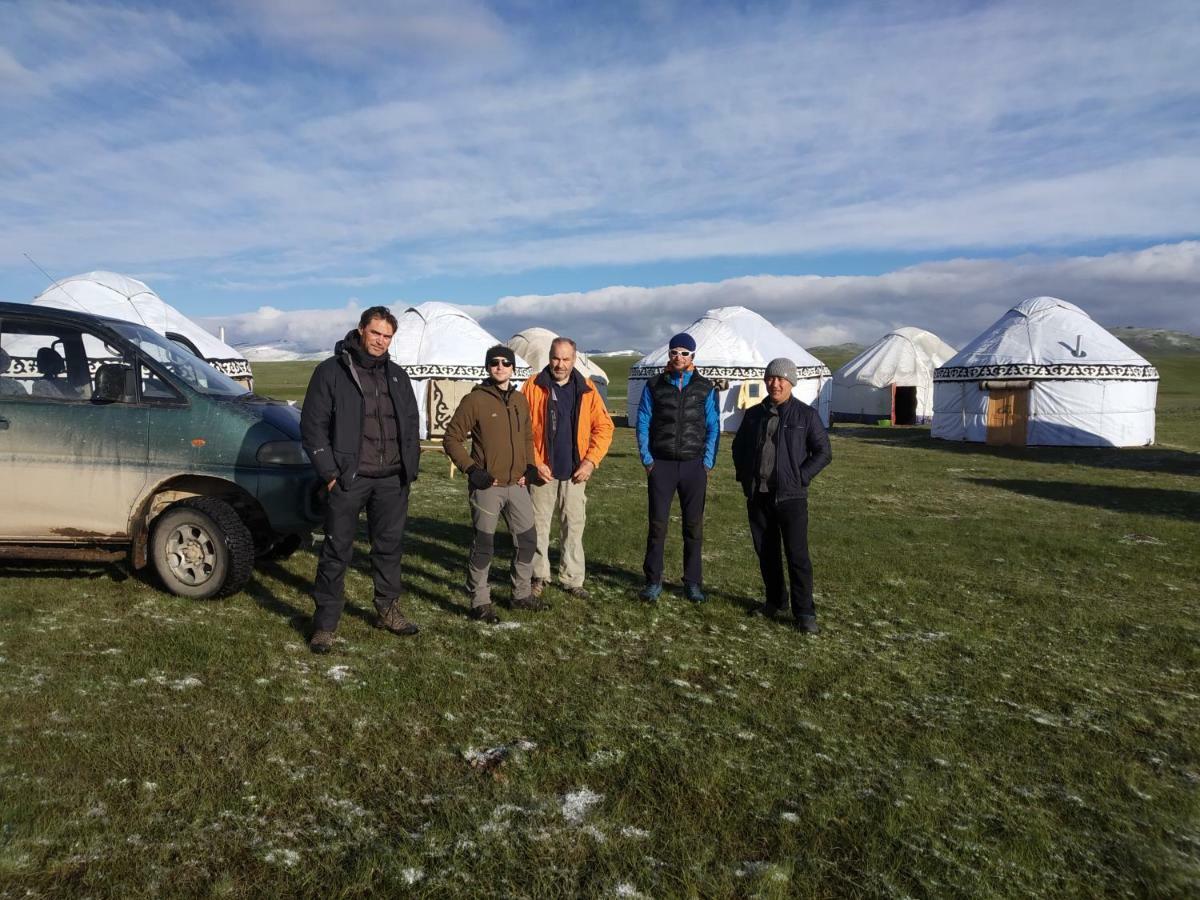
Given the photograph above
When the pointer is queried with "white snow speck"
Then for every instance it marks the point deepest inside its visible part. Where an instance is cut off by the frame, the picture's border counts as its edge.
(286, 858)
(577, 804)
(337, 673)
(184, 683)
(789, 817)
(412, 876)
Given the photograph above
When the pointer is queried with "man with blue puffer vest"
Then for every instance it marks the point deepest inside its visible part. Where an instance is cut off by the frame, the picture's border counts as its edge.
(778, 450)
(678, 424)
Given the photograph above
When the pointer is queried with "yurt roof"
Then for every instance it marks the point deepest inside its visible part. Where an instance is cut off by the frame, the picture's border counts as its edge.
(902, 354)
(1045, 337)
(534, 344)
(437, 340)
(121, 297)
(735, 342)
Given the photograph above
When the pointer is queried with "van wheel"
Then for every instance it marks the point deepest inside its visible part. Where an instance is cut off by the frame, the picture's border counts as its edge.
(202, 549)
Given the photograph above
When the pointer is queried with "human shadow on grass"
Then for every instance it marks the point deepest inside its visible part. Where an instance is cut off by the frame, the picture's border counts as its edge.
(1149, 501)
(1133, 459)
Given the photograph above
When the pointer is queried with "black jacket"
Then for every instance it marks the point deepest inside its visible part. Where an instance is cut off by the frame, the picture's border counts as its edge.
(801, 448)
(331, 420)
(679, 425)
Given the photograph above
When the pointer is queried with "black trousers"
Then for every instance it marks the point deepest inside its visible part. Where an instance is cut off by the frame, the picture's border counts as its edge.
(773, 524)
(689, 479)
(386, 500)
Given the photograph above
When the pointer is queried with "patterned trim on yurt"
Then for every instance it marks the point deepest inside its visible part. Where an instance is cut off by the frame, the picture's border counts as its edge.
(736, 373)
(234, 368)
(478, 373)
(1053, 372)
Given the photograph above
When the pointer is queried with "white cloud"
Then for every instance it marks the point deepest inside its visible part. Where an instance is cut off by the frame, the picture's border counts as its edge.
(956, 299)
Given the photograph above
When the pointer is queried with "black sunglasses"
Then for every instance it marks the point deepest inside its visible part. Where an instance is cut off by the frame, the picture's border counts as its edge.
(500, 361)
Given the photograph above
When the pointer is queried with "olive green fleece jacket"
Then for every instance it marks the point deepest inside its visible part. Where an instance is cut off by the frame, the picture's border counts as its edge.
(497, 422)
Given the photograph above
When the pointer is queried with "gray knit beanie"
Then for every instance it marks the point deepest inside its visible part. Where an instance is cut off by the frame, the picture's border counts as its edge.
(782, 367)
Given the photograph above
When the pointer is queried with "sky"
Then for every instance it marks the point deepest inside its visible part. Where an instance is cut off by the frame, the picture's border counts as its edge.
(608, 170)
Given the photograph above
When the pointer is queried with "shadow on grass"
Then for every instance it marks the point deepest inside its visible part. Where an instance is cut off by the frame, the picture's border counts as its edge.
(1149, 501)
(1138, 459)
(28, 568)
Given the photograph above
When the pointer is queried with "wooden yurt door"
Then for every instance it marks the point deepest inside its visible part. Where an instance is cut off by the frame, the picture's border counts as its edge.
(1007, 417)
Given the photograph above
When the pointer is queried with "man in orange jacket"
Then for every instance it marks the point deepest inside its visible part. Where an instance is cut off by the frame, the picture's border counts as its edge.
(572, 431)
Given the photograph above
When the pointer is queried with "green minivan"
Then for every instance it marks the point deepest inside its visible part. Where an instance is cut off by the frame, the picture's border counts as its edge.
(115, 440)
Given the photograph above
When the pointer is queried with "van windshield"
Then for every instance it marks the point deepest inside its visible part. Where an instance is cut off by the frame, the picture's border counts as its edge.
(198, 374)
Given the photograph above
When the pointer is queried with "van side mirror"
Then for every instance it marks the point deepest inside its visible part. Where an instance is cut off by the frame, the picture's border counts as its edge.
(114, 382)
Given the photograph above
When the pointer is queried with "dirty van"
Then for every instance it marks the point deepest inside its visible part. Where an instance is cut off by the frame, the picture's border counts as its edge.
(114, 442)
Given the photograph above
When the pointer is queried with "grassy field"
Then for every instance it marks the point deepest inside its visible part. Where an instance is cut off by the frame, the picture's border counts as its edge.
(1004, 702)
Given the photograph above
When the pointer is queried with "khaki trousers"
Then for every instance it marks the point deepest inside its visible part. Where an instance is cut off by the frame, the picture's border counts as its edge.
(570, 500)
(487, 507)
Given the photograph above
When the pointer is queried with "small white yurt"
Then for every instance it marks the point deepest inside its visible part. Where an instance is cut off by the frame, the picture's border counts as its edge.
(120, 297)
(733, 347)
(892, 379)
(442, 349)
(1046, 374)
(534, 345)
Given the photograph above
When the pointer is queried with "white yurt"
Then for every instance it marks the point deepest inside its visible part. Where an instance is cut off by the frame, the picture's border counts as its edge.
(120, 297)
(534, 345)
(733, 347)
(892, 379)
(442, 349)
(1046, 374)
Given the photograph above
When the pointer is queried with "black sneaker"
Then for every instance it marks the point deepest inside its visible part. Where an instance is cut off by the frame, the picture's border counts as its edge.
(531, 603)
(694, 593)
(807, 625)
(485, 614)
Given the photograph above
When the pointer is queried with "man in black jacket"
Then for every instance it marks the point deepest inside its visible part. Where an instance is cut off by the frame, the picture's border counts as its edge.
(779, 448)
(360, 427)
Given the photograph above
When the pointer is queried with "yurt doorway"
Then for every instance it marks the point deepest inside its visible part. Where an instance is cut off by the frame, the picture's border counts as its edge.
(1007, 415)
(904, 404)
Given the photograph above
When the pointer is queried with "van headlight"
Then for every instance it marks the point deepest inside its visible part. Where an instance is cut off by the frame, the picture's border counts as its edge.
(283, 453)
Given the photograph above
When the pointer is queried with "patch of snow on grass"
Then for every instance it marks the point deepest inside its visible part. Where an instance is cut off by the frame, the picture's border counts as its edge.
(191, 681)
(412, 875)
(286, 858)
(577, 804)
(337, 673)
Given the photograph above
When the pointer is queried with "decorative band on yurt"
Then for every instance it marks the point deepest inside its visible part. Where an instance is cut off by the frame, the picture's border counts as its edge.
(1051, 372)
(737, 373)
(440, 370)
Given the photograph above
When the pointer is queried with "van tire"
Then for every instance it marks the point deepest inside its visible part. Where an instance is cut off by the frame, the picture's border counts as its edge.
(201, 549)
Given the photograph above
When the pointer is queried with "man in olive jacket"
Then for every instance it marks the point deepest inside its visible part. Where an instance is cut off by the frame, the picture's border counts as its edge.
(779, 448)
(495, 416)
(359, 424)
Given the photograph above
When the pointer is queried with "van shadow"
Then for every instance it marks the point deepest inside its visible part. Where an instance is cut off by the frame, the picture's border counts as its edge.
(1149, 501)
(28, 568)
(1132, 459)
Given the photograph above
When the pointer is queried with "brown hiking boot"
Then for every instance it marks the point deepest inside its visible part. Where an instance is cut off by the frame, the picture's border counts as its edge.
(485, 614)
(531, 603)
(321, 641)
(393, 620)
(536, 586)
(579, 592)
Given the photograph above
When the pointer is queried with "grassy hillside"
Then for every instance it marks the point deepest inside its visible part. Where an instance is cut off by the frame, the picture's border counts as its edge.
(1003, 702)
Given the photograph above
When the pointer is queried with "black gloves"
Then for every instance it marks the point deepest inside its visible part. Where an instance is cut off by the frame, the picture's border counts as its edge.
(479, 478)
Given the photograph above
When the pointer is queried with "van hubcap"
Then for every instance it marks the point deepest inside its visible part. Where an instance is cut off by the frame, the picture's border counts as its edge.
(191, 554)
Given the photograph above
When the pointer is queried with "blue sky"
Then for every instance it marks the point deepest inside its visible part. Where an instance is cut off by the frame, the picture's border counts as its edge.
(318, 155)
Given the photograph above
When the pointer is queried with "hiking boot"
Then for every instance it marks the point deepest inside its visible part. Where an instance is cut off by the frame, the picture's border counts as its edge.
(321, 641)
(536, 586)
(693, 593)
(579, 592)
(485, 614)
(807, 625)
(531, 603)
(393, 620)
(650, 592)
(766, 610)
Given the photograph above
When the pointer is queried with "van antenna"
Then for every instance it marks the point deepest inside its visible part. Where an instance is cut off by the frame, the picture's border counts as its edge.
(53, 280)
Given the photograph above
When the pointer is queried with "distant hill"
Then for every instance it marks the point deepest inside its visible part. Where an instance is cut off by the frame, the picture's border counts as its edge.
(847, 350)
(1156, 340)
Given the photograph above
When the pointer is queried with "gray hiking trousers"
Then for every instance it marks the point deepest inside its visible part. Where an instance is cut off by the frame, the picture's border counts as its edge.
(487, 506)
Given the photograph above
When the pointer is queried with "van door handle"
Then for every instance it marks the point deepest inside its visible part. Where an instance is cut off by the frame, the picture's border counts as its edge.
(3, 424)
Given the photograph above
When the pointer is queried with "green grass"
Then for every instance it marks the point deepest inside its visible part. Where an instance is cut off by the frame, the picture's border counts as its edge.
(1004, 702)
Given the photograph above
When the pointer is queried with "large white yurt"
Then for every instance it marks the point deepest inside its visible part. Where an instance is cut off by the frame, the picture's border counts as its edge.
(442, 349)
(534, 345)
(120, 297)
(1046, 374)
(733, 347)
(892, 379)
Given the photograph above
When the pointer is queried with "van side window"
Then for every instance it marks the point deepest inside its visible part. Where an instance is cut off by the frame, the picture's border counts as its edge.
(44, 361)
(155, 388)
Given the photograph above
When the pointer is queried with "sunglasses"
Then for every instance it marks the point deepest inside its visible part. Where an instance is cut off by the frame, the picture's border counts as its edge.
(500, 361)
(684, 353)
